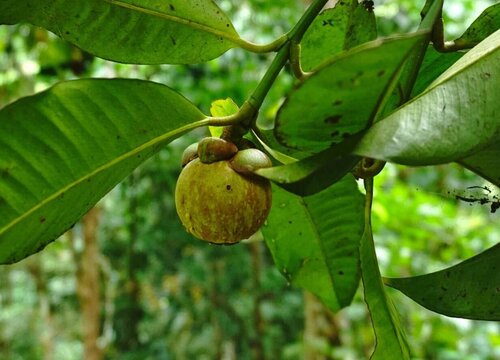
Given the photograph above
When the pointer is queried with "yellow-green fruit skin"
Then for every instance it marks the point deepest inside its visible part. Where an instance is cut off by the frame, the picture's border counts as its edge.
(219, 205)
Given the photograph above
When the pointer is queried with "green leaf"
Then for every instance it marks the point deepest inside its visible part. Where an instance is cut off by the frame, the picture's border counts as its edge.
(434, 64)
(314, 240)
(344, 95)
(132, 31)
(315, 173)
(223, 107)
(454, 118)
(344, 26)
(63, 149)
(467, 290)
(485, 163)
(391, 341)
(485, 25)
(220, 108)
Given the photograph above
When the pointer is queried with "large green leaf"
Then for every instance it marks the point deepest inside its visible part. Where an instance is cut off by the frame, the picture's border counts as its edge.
(63, 149)
(343, 95)
(455, 117)
(132, 31)
(485, 25)
(390, 340)
(485, 163)
(346, 25)
(467, 290)
(314, 240)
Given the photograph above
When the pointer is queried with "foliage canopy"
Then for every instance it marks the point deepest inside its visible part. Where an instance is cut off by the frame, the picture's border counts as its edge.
(359, 100)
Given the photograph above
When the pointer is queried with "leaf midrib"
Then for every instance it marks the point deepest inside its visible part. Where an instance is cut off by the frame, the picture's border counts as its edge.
(320, 244)
(384, 303)
(106, 166)
(177, 19)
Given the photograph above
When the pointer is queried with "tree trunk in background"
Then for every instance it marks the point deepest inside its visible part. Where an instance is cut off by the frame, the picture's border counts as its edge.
(47, 337)
(258, 322)
(88, 286)
(129, 311)
(321, 331)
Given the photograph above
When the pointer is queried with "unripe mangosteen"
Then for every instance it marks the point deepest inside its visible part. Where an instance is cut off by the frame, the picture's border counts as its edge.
(221, 203)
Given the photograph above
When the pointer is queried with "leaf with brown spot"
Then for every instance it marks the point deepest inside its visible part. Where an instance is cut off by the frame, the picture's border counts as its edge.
(352, 83)
(72, 123)
(346, 25)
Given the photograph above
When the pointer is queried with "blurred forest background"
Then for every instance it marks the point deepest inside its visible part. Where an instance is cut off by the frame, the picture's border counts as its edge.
(128, 283)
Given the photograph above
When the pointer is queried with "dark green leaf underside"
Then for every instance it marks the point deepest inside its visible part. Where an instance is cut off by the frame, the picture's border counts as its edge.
(343, 95)
(132, 31)
(63, 149)
(314, 240)
(315, 173)
(468, 290)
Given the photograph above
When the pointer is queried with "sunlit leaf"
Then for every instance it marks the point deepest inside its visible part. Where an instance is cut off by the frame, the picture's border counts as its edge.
(220, 108)
(223, 107)
(132, 31)
(63, 149)
(314, 240)
(342, 27)
(343, 95)
(454, 118)
(467, 290)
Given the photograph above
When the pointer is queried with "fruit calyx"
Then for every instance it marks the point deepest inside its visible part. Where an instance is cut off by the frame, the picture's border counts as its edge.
(244, 160)
(212, 149)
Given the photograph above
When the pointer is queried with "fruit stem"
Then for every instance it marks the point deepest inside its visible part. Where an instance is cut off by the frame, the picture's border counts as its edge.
(233, 133)
(294, 36)
(368, 168)
(247, 114)
(305, 21)
(430, 14)
(260, 92)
